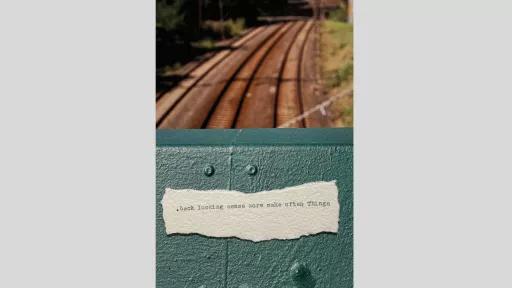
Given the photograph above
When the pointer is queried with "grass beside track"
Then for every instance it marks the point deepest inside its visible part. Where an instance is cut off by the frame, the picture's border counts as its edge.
(337, 68)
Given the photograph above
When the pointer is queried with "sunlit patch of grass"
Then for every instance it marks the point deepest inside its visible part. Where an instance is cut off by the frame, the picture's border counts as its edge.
(169, 69)
(206, 43)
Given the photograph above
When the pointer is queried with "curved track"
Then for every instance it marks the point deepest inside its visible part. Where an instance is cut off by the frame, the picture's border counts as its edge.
(265, 80)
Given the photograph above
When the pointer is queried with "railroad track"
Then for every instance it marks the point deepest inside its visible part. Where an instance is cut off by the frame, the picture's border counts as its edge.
(267, 79)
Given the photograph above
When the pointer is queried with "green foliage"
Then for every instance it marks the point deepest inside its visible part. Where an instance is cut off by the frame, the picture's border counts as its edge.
(168, 15)
(334, 26)
(339, 14)
(344, 73)
(234, 28)
(339, 76)
(337, 68)
(182, 16)
(337, 47)
(347, 115)
(231, 28)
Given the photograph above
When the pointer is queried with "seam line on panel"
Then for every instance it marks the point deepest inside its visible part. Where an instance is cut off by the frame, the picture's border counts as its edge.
(231, 148)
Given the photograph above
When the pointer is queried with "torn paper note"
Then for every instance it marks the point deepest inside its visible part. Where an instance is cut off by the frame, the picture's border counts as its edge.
(287, 213)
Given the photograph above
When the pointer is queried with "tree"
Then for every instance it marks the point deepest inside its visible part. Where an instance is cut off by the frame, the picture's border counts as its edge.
(168, 15)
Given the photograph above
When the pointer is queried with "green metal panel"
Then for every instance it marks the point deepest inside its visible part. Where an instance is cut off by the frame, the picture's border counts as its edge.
(283, 157)
(189, 261)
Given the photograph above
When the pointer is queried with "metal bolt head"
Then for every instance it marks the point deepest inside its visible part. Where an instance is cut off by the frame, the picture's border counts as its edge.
(208, 170)
(298, 271)
(251, 170)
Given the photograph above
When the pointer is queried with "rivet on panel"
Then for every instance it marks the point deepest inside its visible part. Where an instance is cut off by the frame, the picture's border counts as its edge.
(301, 276)
(208, 170)
(251, 170)
(298, 271)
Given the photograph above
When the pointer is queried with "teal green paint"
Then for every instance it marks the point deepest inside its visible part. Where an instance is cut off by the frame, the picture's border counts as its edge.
(282, 158)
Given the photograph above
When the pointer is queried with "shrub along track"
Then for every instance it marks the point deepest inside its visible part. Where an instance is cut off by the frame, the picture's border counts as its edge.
(268, 79)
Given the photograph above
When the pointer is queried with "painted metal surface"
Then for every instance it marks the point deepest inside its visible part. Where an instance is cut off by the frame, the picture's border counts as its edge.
(250, 161)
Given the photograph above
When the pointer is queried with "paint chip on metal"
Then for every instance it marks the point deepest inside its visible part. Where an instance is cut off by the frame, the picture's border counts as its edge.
(288, 213)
